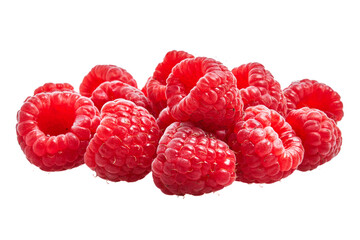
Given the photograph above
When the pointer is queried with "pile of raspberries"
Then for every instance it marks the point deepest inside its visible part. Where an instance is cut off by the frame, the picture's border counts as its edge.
(195, 125)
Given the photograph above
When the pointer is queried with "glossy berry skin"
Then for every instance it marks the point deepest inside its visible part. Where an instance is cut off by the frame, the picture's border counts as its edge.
(313, 94)
(266, 147)
(156, 85)
(108, 91)
(104, 73)
(191, 161)
(319, 134)
(164, 119)
(54, 129)
(258, 87)
(125, 142)
(203, 91)
(52, 87)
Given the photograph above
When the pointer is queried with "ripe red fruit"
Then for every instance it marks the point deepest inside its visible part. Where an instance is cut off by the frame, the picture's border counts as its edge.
(312, 94)
(191, 161)
(125, 142)
(319, 134)
(266, 147)
(258, 87)
(104, 73)
(156, 85)
(108, 91)
(54, 129)
(203, 91)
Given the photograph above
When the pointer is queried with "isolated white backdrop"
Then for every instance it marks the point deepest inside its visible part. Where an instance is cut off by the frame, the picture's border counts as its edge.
(44, 41)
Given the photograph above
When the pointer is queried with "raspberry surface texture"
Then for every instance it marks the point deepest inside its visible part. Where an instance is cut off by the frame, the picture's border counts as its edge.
(164, 119)
(104, 73)
(156, 85)
(125, 142)
(313, 94)
(54, 129)
(320, 136)
(203, 91)
(258, 87)
(52, 87)
(108, 91)
(266, 147)
(191, 161)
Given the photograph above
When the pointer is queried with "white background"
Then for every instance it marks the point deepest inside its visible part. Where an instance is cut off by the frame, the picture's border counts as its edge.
(43, 41)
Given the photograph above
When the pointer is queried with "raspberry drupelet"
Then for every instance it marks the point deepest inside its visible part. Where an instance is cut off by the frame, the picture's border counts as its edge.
(203, 91)
(319, 134)
(192, 161)
(164, 119)
(125, 142)
(266, 147)
(54, 129)
(104, 73)
(313, 94)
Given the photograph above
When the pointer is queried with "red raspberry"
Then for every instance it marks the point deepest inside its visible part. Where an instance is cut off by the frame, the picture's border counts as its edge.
(203, 91)
(54, 129)
(312, 94)
(104, 73)
(156, 85)
(125, 142)
(266, 147)
(258, 87)
(52, 87)
(191, 161)
(108, 91)
(319, 134)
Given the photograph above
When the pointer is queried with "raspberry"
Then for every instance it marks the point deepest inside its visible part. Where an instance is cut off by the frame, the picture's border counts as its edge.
(191, 161)
(266, 147)
(164, 119)
(312, 94)
(52, 87)
(54, 129)
(203, 91)
(319, 134)
(104, 73)
(125, 142)
(258, 87)
(156, 85)
(108, 91)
